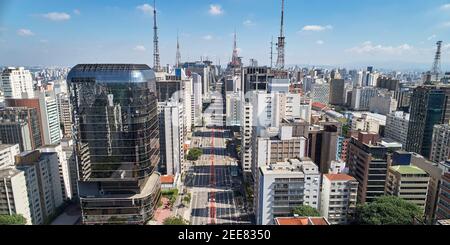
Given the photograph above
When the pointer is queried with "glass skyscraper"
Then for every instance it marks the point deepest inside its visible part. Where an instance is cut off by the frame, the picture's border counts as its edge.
(117, 142)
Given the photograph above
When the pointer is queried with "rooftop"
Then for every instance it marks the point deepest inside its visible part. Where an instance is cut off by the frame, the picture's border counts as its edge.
(339, 177)
(408, 170)
(9, 173)
(167, 179)
(302, 221)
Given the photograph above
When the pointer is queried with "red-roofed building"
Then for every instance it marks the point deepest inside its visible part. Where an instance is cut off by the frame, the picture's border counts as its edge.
(319, 106)
(338, 198)
(301, 221)
(167, 182)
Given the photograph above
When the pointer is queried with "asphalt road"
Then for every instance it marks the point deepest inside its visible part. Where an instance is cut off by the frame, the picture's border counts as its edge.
(210, 179)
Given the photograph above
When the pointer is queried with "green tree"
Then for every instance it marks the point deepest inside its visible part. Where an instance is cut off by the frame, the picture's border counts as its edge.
(345, 130)
(174, 221)
(15, 219)
(388, 210)
(194, 154)
(306, 211)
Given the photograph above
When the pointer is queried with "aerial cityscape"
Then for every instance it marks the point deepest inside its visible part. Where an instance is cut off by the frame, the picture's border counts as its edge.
(225, 112)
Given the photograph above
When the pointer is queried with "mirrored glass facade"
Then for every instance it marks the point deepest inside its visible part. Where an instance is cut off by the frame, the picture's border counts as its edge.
(117, 141)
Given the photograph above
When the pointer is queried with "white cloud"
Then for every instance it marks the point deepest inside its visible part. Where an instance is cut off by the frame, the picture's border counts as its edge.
(317, 28)
(431, 37)
(248, 23)
(320, 42)
(56, 16)
(370, 48)
(208, 37)
(215, 9)
(25, 32)
(76, 11)
(140, 48)
(445, 6)
(446, 24)
(146, 8)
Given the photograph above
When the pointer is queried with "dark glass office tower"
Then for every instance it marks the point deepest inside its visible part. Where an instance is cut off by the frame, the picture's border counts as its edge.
(117, 142)
(430, 105)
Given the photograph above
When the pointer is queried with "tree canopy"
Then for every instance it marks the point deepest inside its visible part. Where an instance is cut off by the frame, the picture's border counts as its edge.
(194, 154)
(306, 211)
(175, 221)
(15, 219)
(388, 210)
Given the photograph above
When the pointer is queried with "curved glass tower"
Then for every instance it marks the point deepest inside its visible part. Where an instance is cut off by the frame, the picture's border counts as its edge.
(117, 142)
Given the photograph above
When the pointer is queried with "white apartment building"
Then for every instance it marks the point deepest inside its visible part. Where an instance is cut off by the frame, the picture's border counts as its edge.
(64, 169)
(69, 150)
(7, 154)
(365, 124)
(197, 98)
(43, 183)
(440, 146)
(50, 118)
(13, 194)
(397, 124)
(17, 83)
(172, 135)
(361, 98)
(338, 198)
(383, 105)
(285, 186)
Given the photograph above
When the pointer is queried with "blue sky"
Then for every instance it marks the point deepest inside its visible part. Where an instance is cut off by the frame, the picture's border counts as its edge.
(386, 33)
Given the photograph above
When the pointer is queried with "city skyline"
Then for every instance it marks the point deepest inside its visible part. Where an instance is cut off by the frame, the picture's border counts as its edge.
(54, 33)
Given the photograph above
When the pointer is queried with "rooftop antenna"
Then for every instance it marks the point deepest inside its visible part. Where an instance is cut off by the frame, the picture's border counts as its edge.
(156, 58)
(178, 58)
(281, 41)
(271, 53)
(436, 69)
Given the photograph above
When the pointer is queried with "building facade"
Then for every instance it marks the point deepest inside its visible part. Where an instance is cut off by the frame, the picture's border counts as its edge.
(338, 198)
(17, 83)
(115, 115)
(440, 143)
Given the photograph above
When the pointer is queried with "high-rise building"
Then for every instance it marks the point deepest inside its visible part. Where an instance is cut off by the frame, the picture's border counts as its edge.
(361, 98)
(382, 104)
(198, 99)
(256, 78)
(409, 183)
(246, 137)
(320, 93)
(388, 83)
(285, 186)
(15, 200)
(397, 125)
(65, 114)
(338, 198)
(322, 145)
(17, 83)
(435, 174)
(368, 162)
(116, 132)
(69, 150)
(43, 183)
(428, 107)
(337, 91)
(20, 125)
(277, 145)
(440, 143)
(443, 211)
(64, 169)
(172, 135)
(233, 105)
(7, 154)
(46, 105)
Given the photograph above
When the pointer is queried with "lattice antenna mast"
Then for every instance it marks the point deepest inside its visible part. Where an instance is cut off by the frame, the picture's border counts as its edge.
(178, 58)
(281, 41)
(235, 57)
(271, 53)
(156, 58)
(436, 70)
